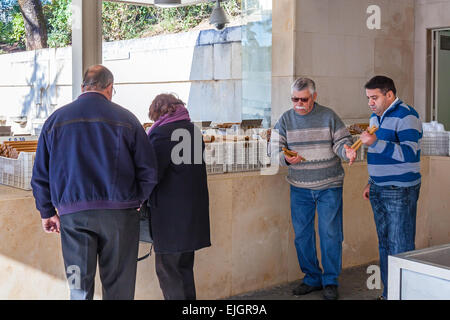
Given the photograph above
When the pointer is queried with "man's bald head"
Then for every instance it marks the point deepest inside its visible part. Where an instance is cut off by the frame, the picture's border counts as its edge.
(97, 78)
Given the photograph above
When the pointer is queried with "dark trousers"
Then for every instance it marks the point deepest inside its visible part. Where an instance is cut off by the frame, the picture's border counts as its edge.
(175, 273)
(110, 235)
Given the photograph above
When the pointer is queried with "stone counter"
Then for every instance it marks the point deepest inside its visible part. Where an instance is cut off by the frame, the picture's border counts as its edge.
(251, 235)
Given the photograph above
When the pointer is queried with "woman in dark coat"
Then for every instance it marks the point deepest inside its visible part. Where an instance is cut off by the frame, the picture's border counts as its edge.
(179, 204)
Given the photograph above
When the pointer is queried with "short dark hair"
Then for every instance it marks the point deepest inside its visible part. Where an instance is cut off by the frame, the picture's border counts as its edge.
(383, 83)
(97, 77)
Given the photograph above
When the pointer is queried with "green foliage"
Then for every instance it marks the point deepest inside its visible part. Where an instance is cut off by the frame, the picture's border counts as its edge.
(183, 18)
(13, 32)
(121, 21)
(58, 16)
(4, 32)
(233, 7)
(17, 28)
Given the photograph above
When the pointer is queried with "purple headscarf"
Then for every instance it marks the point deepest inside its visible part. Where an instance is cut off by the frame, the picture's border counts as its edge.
(181, 113)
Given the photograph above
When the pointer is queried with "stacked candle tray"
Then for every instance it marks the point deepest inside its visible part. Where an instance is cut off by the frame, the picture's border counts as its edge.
(17, 172)
(12, 149)
(239, 163)
(234, 153)
(229, 155)
(263, 157)
(16, 163)
(252, 155)
(214, 157)
(435, 143)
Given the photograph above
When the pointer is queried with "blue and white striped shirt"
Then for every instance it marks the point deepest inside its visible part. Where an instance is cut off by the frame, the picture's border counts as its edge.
(394, 159)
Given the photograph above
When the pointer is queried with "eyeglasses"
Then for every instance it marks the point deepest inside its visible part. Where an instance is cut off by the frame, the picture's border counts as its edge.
(296, 99)
(114, 91)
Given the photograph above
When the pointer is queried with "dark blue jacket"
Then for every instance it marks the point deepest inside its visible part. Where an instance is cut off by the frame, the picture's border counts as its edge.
(92, 154)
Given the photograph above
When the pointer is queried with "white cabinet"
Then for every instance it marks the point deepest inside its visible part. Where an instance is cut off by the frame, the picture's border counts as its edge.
(420, 275)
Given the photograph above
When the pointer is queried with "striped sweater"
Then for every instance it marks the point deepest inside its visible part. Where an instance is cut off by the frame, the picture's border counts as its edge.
(394, 159)
(319, 137)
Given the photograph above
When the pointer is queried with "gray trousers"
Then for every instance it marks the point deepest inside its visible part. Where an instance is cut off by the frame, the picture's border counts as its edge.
(175, 273)
(110, 235)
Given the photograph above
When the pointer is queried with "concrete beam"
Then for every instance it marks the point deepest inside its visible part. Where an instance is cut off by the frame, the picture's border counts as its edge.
(86, 39)
(152, 2)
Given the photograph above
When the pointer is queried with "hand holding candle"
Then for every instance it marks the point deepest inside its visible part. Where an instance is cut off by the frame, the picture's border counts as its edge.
(358, 143)
(292, 155)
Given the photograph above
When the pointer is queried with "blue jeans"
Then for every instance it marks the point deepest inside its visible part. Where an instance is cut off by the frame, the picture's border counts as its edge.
(394, 209)
(328, 203)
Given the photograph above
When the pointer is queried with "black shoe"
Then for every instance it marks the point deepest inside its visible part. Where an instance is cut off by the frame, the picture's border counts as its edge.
(381, 298)
(303, 288)
(330, 292)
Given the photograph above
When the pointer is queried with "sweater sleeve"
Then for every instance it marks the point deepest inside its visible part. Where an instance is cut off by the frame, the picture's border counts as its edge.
(145, 162)
(409, 132)
(341, 137)
(278, 141)
(40, 180)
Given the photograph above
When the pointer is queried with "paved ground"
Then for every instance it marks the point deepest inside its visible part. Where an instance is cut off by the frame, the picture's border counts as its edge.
(352, 286)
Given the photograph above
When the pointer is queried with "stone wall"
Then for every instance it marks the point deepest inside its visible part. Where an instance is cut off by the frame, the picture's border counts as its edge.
(251, 235)
(202, 67)
(329, 41)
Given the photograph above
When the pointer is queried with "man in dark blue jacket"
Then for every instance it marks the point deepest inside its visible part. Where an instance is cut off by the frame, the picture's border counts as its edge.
(94, 166)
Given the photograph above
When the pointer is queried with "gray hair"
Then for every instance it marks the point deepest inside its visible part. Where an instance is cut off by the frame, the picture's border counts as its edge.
(97, 77)
(302, 84)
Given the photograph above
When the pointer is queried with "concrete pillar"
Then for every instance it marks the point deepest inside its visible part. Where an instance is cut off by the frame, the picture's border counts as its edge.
(283, 55)
(86, 39)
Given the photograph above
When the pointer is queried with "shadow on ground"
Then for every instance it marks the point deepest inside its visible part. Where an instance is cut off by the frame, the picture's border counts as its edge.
(352, 286)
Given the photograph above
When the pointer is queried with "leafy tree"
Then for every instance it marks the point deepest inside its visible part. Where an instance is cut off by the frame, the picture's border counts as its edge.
(121, 21)
(34, 23)
(58, 15)
(17, 27)
(5, 30)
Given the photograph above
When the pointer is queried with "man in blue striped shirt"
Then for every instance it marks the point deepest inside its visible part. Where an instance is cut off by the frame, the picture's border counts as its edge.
(393, 161)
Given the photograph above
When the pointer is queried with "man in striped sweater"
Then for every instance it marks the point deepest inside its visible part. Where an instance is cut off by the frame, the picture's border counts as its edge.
(318, 135)
(393, 161)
